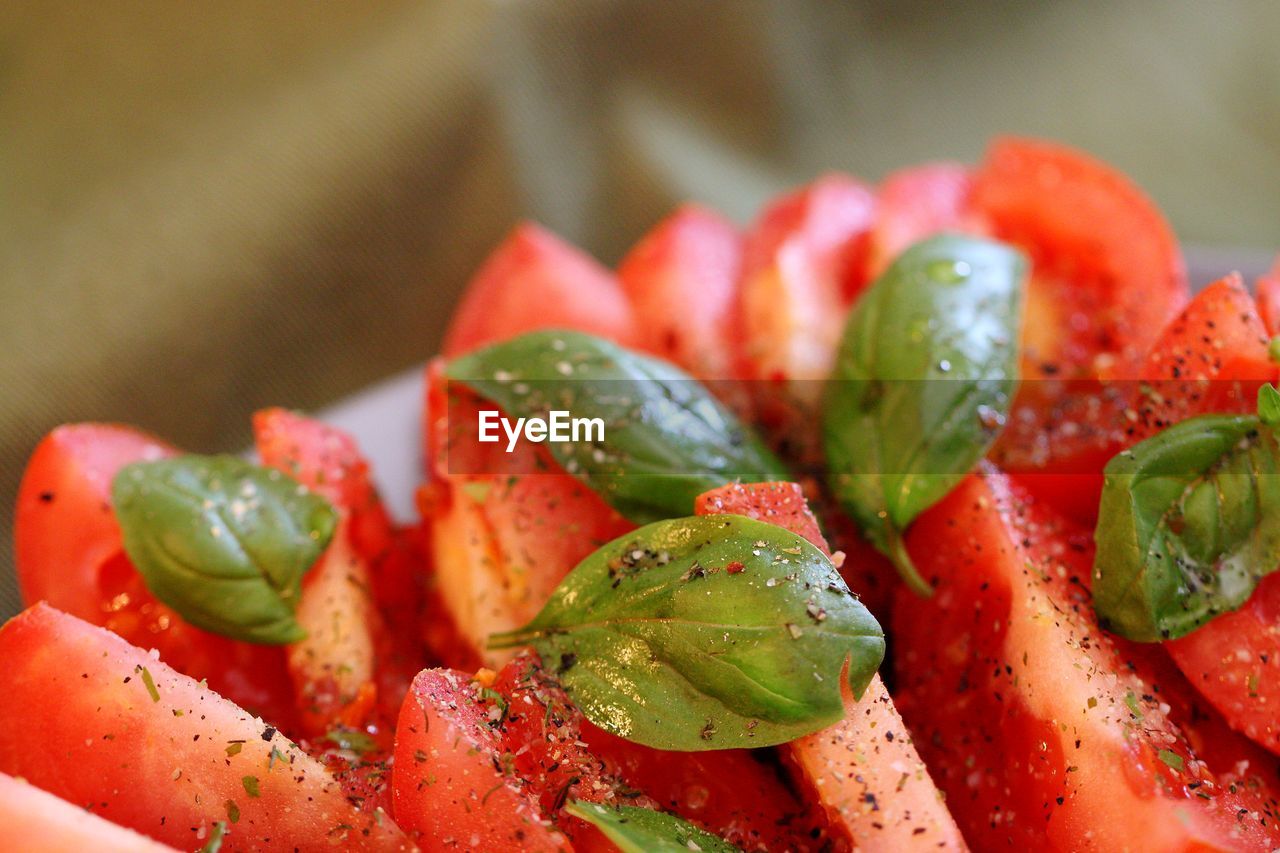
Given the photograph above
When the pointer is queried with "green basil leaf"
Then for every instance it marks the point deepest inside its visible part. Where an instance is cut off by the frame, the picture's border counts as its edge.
(638, 830)
(1269, 404)
(1188, 524)
(706, 632)
(923, 380)
(223, 542)
(666, 439)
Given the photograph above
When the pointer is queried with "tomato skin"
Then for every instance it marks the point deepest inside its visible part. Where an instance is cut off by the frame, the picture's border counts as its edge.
(682, 280)
(534, 280)
(802, 268)
(863, 771)
(32, 819)
(1106, 276)
(1031, 719)
(69, 553)
(916, 203)
(159, 766)
(504, 528)
(1105, 262)
(446, 782)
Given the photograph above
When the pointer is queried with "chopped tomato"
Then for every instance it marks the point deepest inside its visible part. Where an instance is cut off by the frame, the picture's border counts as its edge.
(917, 203)
(480, 768)
(352, 656)
(863, 771)
(32, 819)
(802, 269)
(781, 503)
(69, 553)
(502, 535)
(121, 733)
(1106, 276)
(682, 280)
(534, 280)
(1235, 662)
(1031, 719)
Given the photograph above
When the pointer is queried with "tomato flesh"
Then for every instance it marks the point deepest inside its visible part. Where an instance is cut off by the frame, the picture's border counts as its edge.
(69, 553)
(1033, 722)
(32, 819)
(142, 745)
(534, 280)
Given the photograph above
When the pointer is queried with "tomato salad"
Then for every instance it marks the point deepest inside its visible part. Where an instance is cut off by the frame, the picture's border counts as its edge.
(972, 418)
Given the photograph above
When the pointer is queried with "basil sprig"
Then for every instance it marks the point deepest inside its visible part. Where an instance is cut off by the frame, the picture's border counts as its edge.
(223, 542)
(638, 830)
(706, 632)
(922, 383)
(666, 439)
(1188, 524)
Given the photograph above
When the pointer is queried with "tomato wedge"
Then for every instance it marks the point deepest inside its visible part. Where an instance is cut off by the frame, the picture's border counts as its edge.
(682, 280)
(864, 770)
(1033, 721)
(144, 746)
(916, 203)
(69, 553)
(1267, 290)
(32, 819)
(534, 280)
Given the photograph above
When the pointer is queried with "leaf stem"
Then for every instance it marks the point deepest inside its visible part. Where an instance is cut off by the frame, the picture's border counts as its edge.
(897, 552)
(512, 639)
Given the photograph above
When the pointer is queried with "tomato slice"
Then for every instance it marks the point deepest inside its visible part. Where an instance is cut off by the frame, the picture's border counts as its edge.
(1106, 276)
(682, 280)
(32, 819)
(69, 553)
(916, 203)
(863, 771)
(504, 528)
(1036, 726)
(802, 268)
(534, 280)
(358, 651)
(489, 768)
(142, 745)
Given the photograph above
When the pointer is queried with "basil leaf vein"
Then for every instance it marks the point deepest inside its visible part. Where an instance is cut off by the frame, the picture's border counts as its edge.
(1189, 522)
(706, 632)
(639, 830)
(666, 439)
(927, 367)
(223, 542)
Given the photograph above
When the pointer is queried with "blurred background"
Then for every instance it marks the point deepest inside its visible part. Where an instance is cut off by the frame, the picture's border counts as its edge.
(212, 207)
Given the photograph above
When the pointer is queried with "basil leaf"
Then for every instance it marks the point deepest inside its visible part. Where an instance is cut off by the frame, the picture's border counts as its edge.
(666, 439)
(638, 830)
(1269, 404)
(923, 379)
(1188, 524)
(706, 632)
(223, 542)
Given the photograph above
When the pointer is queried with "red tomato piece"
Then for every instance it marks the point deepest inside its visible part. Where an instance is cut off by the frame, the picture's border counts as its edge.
(919, 202)
(504, 528)
(802, 268)
(32, 819)
(534, 280)
(682, 280)
(328, 461)
(781, 503)
(69, 553)
(151, 749)
(864, 771)
(1032, 720)
(1106, 276)
(1235, 662)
